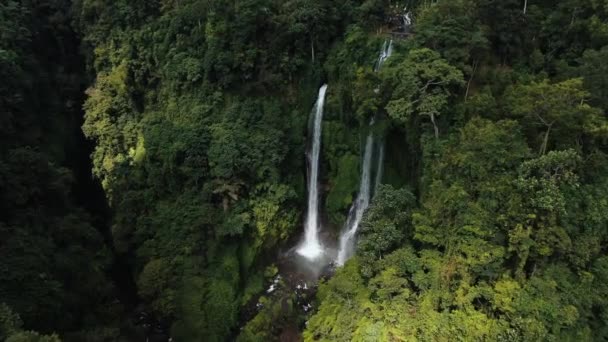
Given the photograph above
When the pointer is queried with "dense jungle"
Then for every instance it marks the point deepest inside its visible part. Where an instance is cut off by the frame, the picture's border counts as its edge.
(303, 170)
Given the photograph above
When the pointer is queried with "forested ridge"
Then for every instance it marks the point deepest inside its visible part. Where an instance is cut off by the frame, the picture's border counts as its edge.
(154, 159)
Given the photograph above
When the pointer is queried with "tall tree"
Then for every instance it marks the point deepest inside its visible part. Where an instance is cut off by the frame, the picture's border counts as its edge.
(420, 86)
(559, 108)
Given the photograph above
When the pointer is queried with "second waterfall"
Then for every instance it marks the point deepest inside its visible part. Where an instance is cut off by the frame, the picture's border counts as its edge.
(355, 214)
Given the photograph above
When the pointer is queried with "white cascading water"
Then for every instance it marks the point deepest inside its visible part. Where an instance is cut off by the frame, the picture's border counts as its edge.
(355, 214)
(387, 51)
(407, 18)
(311, 247)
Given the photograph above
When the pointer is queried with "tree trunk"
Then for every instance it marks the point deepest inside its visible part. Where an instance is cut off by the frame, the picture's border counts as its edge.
(435, 126)
(312, 49)
(543, 147)
(466, 95)
(525, 6)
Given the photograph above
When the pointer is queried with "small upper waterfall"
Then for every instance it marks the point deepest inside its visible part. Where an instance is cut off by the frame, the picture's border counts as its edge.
(387, 51)
(355, 214)
(407, 18)
(311, 247)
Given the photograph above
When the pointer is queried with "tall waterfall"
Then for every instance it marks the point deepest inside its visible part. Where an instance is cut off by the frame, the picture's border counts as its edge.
(311, 247)
(355, 214)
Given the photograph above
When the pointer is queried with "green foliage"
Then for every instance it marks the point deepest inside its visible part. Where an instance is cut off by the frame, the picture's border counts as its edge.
(276, 317)
(272, 214)
(491, 255)
(344, 299)
(542, 179)
(197, 111)
(365, 95)
(420, 86)
(508, 28)
(10, 322)
(592, 69)
(30, 336)
(453, 29)
(11, 328)
(55, 261)
(558, 111)
(153, 283)
(386, 224)
(341, 194)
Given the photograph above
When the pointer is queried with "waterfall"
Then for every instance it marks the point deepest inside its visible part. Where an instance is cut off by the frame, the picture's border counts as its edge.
(387, 51)
(347, 238)
(311, 247)
(355, 214)
(407, 18)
